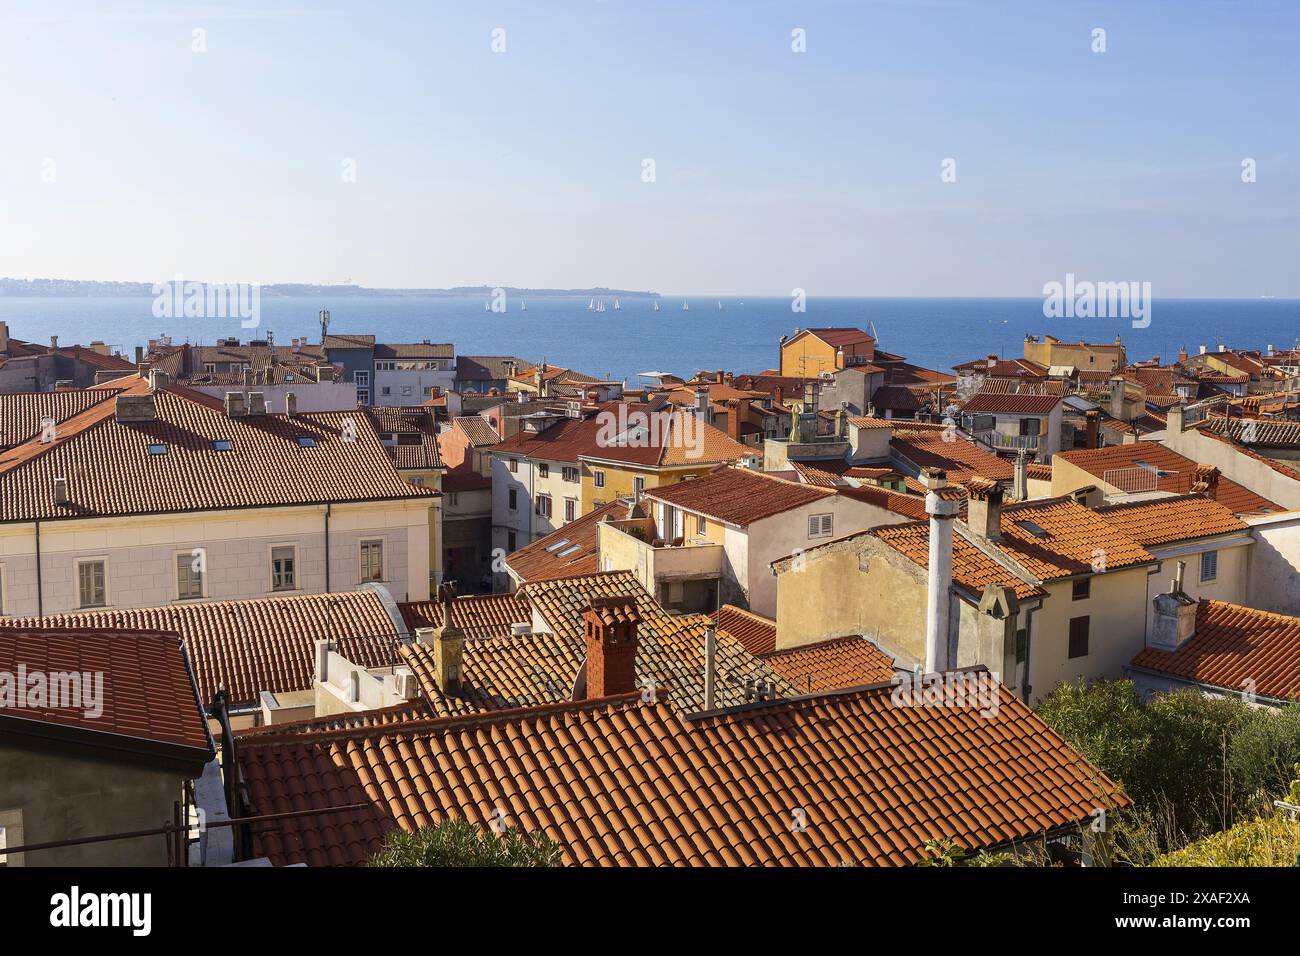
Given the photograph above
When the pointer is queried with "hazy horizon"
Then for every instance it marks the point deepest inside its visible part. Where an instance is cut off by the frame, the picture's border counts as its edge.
(332, 143)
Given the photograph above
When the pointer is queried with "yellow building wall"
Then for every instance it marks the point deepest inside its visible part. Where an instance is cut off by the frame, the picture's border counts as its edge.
(1067, 477)
(619, 481)
(1116, 609)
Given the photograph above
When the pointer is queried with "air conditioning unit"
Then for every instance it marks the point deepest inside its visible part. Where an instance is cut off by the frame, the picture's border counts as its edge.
(406, 686)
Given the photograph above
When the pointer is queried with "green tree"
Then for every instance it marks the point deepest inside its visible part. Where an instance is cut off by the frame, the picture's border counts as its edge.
(1264, 751)
(456, 842)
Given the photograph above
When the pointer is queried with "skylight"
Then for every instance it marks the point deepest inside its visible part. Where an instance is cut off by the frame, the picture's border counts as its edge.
(569, 551)
(1038, 531)
(306, 441)
(221, 444)
(157, 448)
(559, 544)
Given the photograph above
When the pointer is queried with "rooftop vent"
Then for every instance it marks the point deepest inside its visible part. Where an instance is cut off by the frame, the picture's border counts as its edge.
(236, 405)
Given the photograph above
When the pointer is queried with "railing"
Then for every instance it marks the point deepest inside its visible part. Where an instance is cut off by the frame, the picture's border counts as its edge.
(1001, 440)
(1136, 478)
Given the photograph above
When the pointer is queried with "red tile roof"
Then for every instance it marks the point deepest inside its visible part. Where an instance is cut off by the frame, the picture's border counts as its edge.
(571, 550)
(836, 664)
(1011, 404)
(147, 698)
(1233, 646)
(262, 644)
(1163, 520)
(840, 336)
(755, 632)
(1176, 473)
(477, 429)
(619, 782)
(110, 470)
(478, 615)
(960, 458)
(738, 496)
(21, 413)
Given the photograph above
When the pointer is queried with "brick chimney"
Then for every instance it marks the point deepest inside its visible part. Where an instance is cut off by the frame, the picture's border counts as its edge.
(609, 624)
(984, 509)
(1205, 481)
(1093, 419)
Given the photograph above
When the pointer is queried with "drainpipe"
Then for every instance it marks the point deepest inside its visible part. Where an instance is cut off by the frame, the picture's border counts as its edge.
(328, 507)
(942, 511)
(40, 590)
(1029, 643)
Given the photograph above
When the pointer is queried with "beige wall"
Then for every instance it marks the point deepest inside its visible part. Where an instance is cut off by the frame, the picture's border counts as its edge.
(140, 553)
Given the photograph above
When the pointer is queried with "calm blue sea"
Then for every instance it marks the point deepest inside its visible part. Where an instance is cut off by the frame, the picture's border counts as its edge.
(742, 336)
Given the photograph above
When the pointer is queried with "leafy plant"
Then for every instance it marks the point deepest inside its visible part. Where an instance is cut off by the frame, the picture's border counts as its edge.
(458, 843)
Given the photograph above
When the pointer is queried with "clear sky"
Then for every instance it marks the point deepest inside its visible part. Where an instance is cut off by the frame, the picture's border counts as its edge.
(128, 155)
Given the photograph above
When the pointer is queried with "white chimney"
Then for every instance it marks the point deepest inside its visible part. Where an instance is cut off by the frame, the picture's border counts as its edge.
(942, 506)
(1174, 618)
(290, 404)
(1020, 482)
(1204, 350)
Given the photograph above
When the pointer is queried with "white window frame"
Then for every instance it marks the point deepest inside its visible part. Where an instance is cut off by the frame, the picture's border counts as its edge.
(383, 560)
(570, 473)
(97, 559)
(203, 575)
(1214, 575)
(270, 567)
(11, 822)
(361, 378)
(821, 525)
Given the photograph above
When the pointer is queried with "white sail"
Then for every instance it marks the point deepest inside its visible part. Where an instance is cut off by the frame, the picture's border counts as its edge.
(616, 305)
(656, 305)
(686, 307)
(591, 305)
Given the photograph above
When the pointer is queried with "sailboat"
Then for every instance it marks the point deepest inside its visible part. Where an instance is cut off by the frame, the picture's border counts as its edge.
(686, 306)
(487, 306)
(600, 306)
(617, 307)
(656, 305)
(591, 306)
(719, 305)
(523, 306)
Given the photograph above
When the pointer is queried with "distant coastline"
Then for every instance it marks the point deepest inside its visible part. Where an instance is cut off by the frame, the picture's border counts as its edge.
(77, 288)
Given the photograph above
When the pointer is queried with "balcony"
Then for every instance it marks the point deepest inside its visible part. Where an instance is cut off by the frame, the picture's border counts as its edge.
(682, 575)
(1002, 441)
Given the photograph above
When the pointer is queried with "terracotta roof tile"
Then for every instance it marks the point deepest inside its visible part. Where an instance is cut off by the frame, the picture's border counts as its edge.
(738, 496)
(256, 645)
(1169, 471)
(21, 413)
(626, 783)
(111, 471)
(836, 664)
(568, 551)
(755, 632)
(1163, 520)
(958, 457)
(147, 695)
(478, 615)
(1232, 646)
(1011, 404)
(477, 429)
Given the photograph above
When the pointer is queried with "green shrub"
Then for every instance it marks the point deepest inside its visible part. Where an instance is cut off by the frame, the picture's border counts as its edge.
(457, 842)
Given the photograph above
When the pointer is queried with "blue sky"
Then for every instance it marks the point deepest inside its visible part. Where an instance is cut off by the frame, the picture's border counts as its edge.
(774, 170)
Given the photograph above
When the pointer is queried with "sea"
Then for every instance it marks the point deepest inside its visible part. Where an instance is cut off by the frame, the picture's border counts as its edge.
(737, 333)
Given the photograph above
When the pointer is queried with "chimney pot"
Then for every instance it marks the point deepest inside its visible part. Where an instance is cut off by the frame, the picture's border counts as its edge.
(610, 625)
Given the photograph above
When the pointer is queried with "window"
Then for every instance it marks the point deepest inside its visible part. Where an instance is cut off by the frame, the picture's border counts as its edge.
(284, 568)
(210, 368)
(514, 500)
(1029, 426)
(544, 505)
(92, 590)
(221, 444)
(11, 834)
(385, 366)
(638, 486)
(1022, 645)
(306, 441)
(406, 390)
(819, 526)
(363, 396)
(510, 541)
(570, 509)
(1209, 566)
(1082, 589)
(189, 574)
(385, 391)
(1079, 636)
(700, 525)
(372, 561)
(570, 474)
(362, 379)
(513, 465)
(157, 448)
(599, 478)
(543, 470)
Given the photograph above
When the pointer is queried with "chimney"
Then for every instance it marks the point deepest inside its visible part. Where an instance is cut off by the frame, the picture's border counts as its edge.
(1204, 350)
(839, 358)
(1117, 398)
(1020, 481)
(984, 510)
(139, 354)
(1205, 481)
(702, 410)
(1222, 347)
(1093, 419)
(256, 403)
(136, 408)
(1174, 620)
(710, 666)
(54, 341)
(290, 404)
(717, 376)
(158, 379)
(610, 626)
(934, 478)
(1174, 416)
(841, 423)
(941, 504)
(60, 491)
(1182, 354)
(324, 373)
(236, 405)
(448, 643)
(248, 376)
